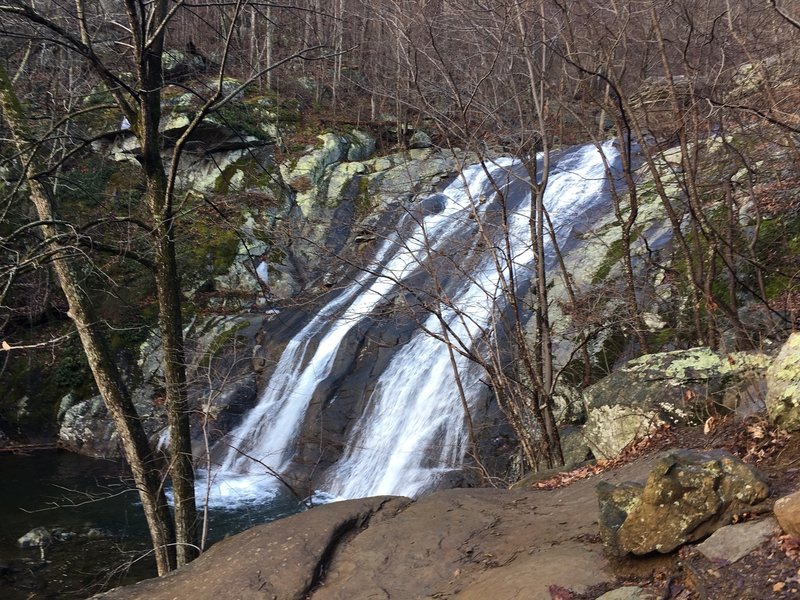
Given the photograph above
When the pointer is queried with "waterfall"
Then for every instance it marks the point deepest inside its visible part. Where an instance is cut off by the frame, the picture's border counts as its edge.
(413, 431)
(415, 428)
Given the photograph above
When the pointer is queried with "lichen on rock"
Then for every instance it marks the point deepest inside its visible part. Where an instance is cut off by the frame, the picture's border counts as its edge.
(688, 495)
(783, 386)
(678, 387)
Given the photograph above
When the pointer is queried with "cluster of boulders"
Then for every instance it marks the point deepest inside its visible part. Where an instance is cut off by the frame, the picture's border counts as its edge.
(42, 537)
(690, 495)
(686, 387)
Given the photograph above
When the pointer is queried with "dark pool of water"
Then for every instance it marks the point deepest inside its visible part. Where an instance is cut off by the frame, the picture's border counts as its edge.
(78, 494)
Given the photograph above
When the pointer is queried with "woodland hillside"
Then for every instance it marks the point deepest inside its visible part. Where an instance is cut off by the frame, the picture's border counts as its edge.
(176, 173)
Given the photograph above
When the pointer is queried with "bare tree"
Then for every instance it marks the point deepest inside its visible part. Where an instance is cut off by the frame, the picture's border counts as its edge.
(134, 75)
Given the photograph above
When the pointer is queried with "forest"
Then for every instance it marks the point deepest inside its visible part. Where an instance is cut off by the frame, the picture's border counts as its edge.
(109, 238)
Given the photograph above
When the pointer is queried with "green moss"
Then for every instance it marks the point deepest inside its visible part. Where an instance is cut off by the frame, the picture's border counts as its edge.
(222, 185)
(85, 184)
(778, 247)
(254, 175)
(777, 285)
(613, 256)
(661, 338)
(225, 339)
(243, 118)
(217, 247)
(124, 338)
(363, 203)
(43, 377)
(276, 255)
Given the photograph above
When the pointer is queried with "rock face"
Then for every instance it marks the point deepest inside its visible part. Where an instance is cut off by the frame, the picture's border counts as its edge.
(223, 387)
(783, 386)
(86, 429)
(463, 544)
(688, 495)
(680, 387)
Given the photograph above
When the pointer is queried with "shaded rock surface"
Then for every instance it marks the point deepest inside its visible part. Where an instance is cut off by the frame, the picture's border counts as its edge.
(688, 495)
(223, 387)
(734, 542)
(461, 543)
(679, 387)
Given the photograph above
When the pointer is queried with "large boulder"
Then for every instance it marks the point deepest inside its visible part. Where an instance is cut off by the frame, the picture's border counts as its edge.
(783, 386)
(287, 564)
(679, 387)
(688, 495)
(87, 429)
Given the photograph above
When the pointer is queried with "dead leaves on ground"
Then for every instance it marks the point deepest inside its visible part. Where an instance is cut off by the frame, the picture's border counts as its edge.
(790, 544)
(632, 451)
(753, 439)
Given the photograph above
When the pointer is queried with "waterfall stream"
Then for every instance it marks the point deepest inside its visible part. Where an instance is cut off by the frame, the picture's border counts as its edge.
(413, 430)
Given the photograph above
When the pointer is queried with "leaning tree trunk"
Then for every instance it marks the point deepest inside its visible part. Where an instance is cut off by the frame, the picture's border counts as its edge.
(144, 464)
(159, 204)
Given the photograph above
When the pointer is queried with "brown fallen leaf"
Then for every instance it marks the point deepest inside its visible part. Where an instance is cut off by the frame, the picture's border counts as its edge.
(558, 592)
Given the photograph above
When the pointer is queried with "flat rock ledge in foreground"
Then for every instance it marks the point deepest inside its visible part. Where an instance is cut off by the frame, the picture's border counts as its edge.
(467, 544)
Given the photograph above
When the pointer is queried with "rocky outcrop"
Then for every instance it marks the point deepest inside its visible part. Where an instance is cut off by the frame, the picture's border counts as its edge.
(464, 544)
(223, 386)
(783, 386)
(679, 387)
(86, 429)
(688, 495)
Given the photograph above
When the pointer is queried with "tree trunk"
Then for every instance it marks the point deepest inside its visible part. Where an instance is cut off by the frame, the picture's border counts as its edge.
(170, 321)
(144, 465)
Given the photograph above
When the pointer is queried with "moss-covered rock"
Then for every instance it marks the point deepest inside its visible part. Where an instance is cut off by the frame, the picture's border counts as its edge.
(305, 176)
(679, 387)
(783, 386)
(362, 146)
(688, 495)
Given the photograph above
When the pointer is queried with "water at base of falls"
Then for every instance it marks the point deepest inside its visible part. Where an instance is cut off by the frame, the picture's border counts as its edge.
(412, 432)
(233, 491)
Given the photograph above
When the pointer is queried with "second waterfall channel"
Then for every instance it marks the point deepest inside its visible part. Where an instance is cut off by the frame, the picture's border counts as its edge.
(409, 434)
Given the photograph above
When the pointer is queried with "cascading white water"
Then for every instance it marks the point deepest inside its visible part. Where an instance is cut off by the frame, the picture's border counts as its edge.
(264, 440)
(414, 427)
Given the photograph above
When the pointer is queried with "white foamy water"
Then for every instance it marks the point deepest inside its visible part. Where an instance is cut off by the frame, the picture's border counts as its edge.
(413, 430)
